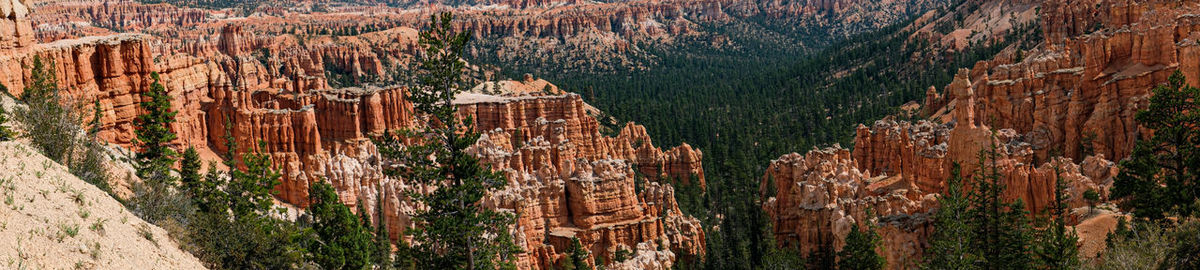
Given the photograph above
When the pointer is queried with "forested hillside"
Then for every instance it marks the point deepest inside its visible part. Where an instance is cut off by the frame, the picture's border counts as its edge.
(745, 106)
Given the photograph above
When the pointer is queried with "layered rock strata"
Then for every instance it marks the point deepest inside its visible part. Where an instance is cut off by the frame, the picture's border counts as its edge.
(1058, 113)
(585, 34)
(1081, 88)
(566, 178)
(814, 199)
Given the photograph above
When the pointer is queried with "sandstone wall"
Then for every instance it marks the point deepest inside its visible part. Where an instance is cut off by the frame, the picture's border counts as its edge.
(1079, 89)
(583, 181)
(818, 196)
(113, 70)
(15, 29)
(563, 120)
(1086, 82)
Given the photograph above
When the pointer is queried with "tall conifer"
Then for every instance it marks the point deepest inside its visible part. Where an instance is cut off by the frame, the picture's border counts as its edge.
(859, 252)
(1002, 230)
(1161, 178)
(950, 247)
(454, 230)
(154, 133)
(1056, 246)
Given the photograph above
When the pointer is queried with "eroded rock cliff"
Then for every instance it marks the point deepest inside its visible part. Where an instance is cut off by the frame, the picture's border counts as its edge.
(252, 79)
(1060, 110)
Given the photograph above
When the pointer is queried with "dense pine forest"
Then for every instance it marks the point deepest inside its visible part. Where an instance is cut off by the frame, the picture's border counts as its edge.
(746, 105)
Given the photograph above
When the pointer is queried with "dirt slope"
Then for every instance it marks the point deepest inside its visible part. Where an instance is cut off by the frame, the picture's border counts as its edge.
(49, 219)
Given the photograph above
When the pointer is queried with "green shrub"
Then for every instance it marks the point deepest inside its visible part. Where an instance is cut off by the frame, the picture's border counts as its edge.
(55, 127)
(1142, 246)
(6, 134)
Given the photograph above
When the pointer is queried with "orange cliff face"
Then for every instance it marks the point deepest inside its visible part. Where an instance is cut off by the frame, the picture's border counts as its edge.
(1081, 88)
(15, 29)
(1077, 90)
(814, 199)
(898, 169)
(566, 179)
(574, 34)
(911, 162)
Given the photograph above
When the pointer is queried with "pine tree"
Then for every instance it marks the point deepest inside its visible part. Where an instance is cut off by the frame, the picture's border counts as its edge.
(950, 247)
(403, 257)
(155, 198)
(783, 259)
(189, 169)
(97, 114)
(1160, 177)
(859, 252)
(383, 242)
(1002, 232)
(342, 241)
(43, 82)
(250, 189)
(363, 217)
(1120, 232)
(1056, 245)
(236, 227)
(454, 231)
(1092, 197)
(154, 133)
(824, 257)
(577, 256)
(50, 126)
(207, 195)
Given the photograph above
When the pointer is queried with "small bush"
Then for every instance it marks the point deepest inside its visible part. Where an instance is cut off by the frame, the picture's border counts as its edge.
(98, 226)
(144, 231)
(155, 201)
(94, 250)
(70, 230)
(55, 127)
(1186, 251)
(621, 255)
(6, 134)
(1142, 246)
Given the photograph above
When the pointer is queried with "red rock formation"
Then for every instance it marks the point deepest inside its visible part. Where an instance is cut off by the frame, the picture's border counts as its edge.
(113, 70)
(596, 202)
(1091, 76)
(923, 153)
(323, 135)
(265, 79)
(578, 31)
(819, 195)
(1087, 80)
(564, 120)
(15, 29)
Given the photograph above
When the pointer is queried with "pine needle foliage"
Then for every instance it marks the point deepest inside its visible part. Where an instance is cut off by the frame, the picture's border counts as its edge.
(342, 242)
(1056, 246)
(950, 247)
(859, 252)
(1001, 229)
(1162, 176)
(154, 134)
(455, 230)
